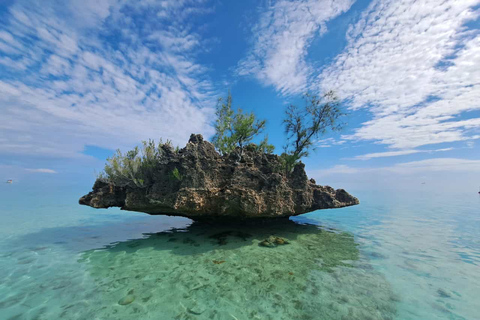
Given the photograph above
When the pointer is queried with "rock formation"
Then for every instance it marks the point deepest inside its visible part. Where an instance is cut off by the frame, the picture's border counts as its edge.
(241, 185)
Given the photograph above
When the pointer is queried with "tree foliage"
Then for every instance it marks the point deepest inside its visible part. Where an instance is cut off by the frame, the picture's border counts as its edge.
(136, 167)
(237, 129)
(175, 175)
(304, 125)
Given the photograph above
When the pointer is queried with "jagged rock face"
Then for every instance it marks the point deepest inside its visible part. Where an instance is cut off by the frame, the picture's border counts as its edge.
(234, 186)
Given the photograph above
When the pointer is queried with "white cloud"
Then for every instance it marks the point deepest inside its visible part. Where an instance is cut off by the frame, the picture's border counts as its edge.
(42, 170)
(438, 164)
(470, 144)
(18, 64)
(409, 168)
(415, 67)
(369, 156)
(328, 142)
(337, 169)
(441, 174)
(412, 64)
(281, 40)
(79, 87)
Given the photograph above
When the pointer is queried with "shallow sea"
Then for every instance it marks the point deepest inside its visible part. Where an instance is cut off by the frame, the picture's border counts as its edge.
(398, 255)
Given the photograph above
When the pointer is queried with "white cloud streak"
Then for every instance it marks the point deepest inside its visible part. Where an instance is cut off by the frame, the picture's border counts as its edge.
(413, 65)
(328, 142)
(87, 73)
(369, 156)
(41, 170)
(408, 168)
(416, 68)
(281, 39)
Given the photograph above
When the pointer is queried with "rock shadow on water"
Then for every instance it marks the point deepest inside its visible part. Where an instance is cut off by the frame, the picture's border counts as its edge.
(198, 238)
(221, 272)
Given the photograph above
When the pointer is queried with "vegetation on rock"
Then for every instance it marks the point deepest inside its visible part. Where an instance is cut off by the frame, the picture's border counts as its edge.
(304, 125)
(237, 129)
(135, 168)
(176, 175)
(234, 130)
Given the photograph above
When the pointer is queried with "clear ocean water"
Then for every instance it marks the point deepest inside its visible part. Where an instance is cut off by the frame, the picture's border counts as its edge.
(398, 255)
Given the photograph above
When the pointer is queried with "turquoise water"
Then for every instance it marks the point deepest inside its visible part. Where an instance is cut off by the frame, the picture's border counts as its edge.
(398, 255)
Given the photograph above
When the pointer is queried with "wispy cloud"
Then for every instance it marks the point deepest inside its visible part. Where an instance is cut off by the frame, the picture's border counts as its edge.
(439, 164)
(470, 144)
(42, 170)
(396, 153)
(86, 72)
(328, 142)
(415, 66)
(413, 167)
(281, 39)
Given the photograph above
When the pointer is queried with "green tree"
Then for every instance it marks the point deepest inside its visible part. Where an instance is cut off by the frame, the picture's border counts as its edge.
(304, 125)
(237, 129)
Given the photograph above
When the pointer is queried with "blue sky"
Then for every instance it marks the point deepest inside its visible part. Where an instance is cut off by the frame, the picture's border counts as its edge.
(81, 78)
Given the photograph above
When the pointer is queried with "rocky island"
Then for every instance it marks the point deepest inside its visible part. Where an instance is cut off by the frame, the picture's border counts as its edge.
(198, 183)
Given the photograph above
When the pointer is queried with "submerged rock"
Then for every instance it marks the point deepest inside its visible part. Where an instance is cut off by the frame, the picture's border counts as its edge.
(266, 243)
(443, 293)
(273, 241)
(126, 300)
(241, 185)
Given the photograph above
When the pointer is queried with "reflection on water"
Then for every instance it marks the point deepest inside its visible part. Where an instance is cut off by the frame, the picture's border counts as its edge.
(206, 272)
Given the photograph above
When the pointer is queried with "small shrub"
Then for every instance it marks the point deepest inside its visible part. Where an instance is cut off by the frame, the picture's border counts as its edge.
(175, 175)
(134, 168)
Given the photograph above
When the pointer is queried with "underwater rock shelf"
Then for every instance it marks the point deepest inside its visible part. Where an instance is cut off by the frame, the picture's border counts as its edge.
(243, 185)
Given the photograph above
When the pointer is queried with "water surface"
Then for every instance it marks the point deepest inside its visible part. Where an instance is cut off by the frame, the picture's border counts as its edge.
(396, 256)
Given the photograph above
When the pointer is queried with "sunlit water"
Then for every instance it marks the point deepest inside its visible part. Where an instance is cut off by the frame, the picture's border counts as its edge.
(398, 255)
